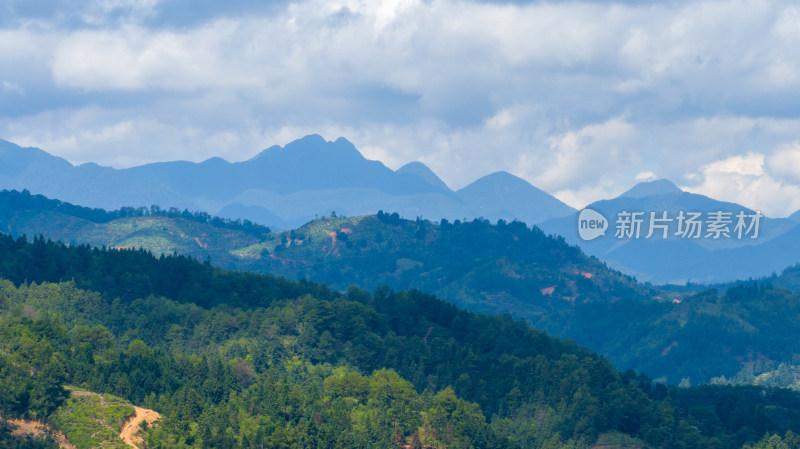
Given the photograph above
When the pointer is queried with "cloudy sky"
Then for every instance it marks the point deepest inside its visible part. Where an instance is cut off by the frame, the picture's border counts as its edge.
(582, 99)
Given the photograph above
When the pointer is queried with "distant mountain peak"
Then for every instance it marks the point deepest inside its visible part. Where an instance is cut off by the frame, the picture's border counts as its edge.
(495, 177)
(312, 145)
(15, 158)
(648, 188)
(504, 180)
(310, 139)
(421, 170)
(516, 197)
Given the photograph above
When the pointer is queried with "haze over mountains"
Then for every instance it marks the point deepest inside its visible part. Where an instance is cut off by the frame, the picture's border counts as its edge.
(281, 187)
(676, 259)
(286, 187)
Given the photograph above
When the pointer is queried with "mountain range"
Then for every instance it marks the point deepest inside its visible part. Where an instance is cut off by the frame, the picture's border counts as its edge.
(677, 258)
(304, 353)
(286, 187)
(281, 187)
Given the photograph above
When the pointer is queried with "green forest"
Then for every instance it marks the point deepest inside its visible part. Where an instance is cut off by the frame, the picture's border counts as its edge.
(233, 359)
(737, 331)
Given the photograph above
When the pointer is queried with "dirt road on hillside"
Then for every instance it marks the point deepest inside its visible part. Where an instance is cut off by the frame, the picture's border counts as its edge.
(131, 426)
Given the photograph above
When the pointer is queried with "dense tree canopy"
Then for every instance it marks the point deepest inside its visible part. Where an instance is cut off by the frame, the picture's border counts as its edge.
(244, 360)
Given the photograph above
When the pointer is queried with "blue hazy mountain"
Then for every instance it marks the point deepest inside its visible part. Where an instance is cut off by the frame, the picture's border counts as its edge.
(282, 187)
(676, 259)
(285, 187)
(503, 195)
(309, 163)
(421, 171)
(657, 187)
(88, 184)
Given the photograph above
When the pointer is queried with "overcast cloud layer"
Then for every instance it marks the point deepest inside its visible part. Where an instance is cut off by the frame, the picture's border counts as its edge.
(582, 99)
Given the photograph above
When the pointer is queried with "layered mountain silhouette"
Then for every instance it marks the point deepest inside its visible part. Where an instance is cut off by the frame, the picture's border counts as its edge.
(281, 187)
(286, 187)
(678, 258)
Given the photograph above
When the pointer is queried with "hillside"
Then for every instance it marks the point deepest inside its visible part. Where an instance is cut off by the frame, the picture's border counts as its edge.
(500, 268)
(160, 231)
(507, 268)
(503, 268)
(235, 360)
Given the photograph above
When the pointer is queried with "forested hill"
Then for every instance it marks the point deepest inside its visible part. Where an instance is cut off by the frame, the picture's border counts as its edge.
(505, 267)
(15, 204)
(488, 268)
(242, 360)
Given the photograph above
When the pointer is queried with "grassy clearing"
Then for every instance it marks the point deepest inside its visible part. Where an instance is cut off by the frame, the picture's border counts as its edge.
(90, 420)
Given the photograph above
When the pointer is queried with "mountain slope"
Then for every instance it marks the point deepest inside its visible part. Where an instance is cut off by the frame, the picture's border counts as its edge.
(676, 259)
(282, 187)
(88, 184)
(503, 195)
(421, 171)
(489, 268)
(649, 188)
(309, 163)
(237, 360)
(503, 268)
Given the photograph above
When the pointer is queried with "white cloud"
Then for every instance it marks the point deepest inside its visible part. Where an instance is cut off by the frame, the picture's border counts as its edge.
(135, 58)
(786, 162)
(583, 196)
(582, 99)
(583, 157)
(645, 176)
(747, 165)
(502, 119)
(744, 179)
(7, 86)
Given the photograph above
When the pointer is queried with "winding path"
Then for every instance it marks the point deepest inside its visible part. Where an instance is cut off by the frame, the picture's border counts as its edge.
(131, 426)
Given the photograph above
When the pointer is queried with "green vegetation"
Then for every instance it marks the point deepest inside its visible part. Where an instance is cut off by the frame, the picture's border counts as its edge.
(12, 202)
(616, 440)
(90, 420)
(788, 441)
(502, 268)
(740, 336)
(766, 373)
(245, 360)
(162, 231)
(8, 440)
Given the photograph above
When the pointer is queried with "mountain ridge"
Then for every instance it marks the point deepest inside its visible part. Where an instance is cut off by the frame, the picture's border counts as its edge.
(287, 185)
(649, 188)
(677, 259)
(504, 192)
(503, 268)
